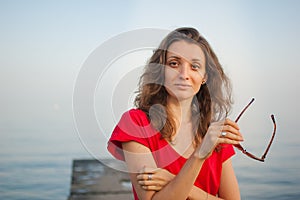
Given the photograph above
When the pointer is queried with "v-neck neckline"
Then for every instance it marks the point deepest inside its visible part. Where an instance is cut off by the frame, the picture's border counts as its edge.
(175, 151)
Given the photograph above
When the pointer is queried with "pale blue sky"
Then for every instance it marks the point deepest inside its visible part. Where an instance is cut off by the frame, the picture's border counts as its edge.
(45, 43)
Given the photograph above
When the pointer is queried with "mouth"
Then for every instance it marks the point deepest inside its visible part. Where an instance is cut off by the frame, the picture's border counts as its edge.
(182, 85)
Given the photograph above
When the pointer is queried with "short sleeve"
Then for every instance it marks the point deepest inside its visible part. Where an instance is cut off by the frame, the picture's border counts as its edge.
(227, 152)
(133, 126)
(210, 175)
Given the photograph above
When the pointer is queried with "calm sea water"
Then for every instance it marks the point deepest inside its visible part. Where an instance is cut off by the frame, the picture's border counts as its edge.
(38, 166)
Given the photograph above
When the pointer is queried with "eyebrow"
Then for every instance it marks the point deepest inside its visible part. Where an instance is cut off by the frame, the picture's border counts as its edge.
(177, 57)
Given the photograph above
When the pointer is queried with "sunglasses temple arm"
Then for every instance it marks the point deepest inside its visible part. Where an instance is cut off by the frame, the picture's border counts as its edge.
(239, 147)
(262, 159)
(273, 135)
(237, 119)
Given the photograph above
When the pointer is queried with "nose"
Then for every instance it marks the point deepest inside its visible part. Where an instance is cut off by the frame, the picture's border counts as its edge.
(184, 71)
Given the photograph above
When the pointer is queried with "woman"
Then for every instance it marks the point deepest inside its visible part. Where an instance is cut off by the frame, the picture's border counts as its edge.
(176, 143)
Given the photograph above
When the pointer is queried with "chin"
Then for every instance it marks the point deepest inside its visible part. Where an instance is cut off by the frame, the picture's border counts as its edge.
(181, 97)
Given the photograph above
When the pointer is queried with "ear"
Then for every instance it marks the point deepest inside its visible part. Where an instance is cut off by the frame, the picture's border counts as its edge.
(204, 79)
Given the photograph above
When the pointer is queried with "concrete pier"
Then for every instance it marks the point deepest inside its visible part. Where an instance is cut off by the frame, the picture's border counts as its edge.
(93, 180)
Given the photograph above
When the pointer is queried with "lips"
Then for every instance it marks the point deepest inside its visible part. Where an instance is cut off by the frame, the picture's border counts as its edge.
(182, 85)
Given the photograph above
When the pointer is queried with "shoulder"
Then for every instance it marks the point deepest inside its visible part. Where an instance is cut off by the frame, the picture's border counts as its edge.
(135, 122)
(136, 116)
(133, 126)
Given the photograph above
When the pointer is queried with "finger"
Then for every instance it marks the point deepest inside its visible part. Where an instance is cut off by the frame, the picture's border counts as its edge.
(147, 170)
(232, 130)
(228, 141)
(142, 177)
(145, 177)
(232, 136)
(232, 127)
(152, 187)
(147, 183)
(158, 184)
(231, 123)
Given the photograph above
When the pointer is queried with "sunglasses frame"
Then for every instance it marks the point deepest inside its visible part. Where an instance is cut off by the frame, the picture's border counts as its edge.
(243, 150)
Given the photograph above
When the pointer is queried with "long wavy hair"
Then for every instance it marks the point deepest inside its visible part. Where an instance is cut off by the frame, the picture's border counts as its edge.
(212, 102)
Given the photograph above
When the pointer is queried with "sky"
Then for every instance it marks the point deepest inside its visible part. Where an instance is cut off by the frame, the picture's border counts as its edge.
(44, 45)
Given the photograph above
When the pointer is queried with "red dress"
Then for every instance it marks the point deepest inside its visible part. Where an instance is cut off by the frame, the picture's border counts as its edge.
(135, 126)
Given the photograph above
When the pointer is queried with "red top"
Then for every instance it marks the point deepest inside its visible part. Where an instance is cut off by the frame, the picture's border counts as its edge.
(135, 126)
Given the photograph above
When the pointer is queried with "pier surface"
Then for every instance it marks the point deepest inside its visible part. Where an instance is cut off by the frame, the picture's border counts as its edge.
(94, 180)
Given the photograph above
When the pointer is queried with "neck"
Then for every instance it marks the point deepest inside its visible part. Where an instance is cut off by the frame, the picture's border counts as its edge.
(181, 109)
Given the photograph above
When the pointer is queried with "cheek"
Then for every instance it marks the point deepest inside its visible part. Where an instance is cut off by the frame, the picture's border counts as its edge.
(197, 82)
(197, 88)
(202, 73)
(170, 74)
(166, 78)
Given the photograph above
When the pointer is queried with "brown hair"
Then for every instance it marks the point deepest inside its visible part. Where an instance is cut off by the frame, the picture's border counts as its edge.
(211, 103)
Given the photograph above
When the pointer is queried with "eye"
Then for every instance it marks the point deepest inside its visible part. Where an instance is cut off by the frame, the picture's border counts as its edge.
(173, 63)
(196, 66)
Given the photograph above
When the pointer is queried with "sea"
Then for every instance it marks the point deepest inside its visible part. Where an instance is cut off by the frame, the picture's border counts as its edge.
(37, 165)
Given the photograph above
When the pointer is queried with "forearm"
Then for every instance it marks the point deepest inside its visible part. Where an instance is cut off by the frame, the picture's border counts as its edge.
(182, 184)
(197, 193)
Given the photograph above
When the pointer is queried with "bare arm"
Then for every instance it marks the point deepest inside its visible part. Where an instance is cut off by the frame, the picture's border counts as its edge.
(229, 188)
(137, 157)
(181, 187)
(161, 177)
(178, 188)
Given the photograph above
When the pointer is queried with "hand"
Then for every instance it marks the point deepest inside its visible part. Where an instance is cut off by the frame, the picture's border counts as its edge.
(226, 131)
(154, 179)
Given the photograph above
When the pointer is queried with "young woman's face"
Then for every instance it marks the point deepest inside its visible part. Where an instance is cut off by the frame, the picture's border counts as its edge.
(185, 70)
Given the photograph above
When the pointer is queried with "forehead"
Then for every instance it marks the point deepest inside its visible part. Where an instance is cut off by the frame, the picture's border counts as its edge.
(186, 50)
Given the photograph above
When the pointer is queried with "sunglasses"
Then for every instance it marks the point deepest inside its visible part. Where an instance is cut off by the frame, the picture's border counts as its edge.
(243, 150)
